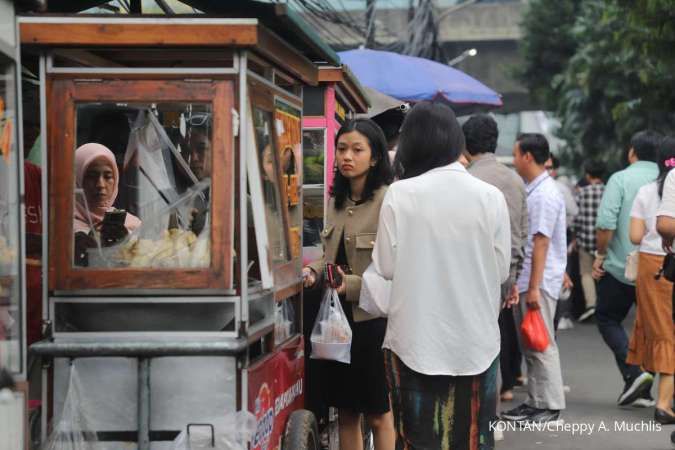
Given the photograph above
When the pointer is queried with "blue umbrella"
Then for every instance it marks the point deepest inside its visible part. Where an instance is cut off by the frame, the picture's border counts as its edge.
(415, 79)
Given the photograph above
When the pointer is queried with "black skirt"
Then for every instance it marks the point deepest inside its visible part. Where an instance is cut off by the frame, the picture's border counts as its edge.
(362, 385)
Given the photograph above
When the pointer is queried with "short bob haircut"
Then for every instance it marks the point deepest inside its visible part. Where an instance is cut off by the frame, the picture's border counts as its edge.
(430, 137)
(536, 145)
(481, 134)
(379, 175)
(646, 144)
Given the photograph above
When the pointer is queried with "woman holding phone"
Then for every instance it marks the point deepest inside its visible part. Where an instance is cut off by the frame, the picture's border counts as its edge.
(97, 176)
(363, 173)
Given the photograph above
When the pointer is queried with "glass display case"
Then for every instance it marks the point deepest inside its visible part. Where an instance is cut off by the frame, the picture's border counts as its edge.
(147, 186)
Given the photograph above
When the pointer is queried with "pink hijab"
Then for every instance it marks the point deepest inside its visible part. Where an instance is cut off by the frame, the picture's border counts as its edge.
(84, 156)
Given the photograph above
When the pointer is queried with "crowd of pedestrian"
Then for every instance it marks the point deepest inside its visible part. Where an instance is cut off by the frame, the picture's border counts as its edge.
(471, 248)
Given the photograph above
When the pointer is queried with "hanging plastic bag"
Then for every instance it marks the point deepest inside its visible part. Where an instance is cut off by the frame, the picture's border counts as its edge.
(73, 430)
(331, 336)
(534, 332)
(631, 271)
(283, 321)
(375, 293)
(231, 432)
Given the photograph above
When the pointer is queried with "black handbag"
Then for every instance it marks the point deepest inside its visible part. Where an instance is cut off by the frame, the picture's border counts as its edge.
(667, 268)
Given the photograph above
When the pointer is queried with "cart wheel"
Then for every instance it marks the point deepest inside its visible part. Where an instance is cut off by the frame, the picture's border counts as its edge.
(301, 431)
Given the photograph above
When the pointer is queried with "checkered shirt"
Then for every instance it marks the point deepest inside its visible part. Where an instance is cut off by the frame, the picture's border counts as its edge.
(588, 199)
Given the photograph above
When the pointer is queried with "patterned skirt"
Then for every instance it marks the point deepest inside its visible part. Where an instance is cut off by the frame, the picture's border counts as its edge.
(437, 412)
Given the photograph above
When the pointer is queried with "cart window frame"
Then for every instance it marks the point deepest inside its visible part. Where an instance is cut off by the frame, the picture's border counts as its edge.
(64, 95)
(286, 275)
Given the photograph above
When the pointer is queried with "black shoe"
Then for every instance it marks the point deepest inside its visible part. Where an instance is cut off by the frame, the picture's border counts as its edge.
(663, 417)
(544, 416)
(635, 388)
(519, 412)
(672, 437)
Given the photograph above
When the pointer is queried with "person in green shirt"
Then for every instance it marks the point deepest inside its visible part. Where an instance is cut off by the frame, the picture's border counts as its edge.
(616, 295)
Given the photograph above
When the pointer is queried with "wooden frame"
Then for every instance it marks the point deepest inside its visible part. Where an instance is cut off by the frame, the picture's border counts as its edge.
(263, 97)
(86, 32)
(63, 94)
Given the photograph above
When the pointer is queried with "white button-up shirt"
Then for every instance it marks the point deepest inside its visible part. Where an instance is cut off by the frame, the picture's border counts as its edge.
(444, 240)
(546, 210)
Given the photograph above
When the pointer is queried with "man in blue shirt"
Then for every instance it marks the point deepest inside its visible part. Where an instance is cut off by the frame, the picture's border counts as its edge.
(616, 295)
(540, 280)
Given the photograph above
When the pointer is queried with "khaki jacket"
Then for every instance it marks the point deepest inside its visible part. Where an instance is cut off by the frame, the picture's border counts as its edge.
(358, 223)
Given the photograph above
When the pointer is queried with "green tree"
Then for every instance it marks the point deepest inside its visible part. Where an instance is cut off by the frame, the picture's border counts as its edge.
(547, 46)
(619, 79)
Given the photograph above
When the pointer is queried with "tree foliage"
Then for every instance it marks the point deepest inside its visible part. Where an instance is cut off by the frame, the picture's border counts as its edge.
(619, 78)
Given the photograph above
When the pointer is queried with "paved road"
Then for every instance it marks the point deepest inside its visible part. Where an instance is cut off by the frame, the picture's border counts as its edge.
(590, 372)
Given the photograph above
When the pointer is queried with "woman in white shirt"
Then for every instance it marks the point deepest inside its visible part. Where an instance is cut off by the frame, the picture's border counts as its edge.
(652, 344)
(444, 241)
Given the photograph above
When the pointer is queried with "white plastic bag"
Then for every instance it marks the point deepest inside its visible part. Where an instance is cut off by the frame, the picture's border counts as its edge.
(230, 432)
(375, 293)
(283, 321)
(331, 336)
(73, 430)
(631, 270)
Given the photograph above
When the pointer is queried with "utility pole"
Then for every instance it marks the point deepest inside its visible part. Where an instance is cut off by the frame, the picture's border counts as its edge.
(370, 23)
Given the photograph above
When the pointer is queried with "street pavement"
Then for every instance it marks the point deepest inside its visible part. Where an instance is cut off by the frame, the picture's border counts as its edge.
(590, 371)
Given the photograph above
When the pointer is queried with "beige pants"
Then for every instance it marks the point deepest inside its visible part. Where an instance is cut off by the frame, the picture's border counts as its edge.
(587, 281)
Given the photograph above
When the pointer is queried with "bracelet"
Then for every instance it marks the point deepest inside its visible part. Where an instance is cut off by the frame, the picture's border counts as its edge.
(599, 255)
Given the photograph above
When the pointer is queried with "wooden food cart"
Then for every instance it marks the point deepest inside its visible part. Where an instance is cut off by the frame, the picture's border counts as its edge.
(179, 300)
(12, 256)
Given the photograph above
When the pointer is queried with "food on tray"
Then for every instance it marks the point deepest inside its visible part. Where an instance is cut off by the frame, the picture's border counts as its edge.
(176, 248)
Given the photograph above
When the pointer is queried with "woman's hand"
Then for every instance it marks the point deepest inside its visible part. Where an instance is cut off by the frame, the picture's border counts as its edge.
(567, 282)
(308, 277)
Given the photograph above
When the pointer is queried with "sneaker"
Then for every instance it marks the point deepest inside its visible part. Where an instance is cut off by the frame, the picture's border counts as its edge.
(543, 416)
(519, 412)
(635, 388)
(499, 435)
(590, 312)
(646, 401)
(565, 324)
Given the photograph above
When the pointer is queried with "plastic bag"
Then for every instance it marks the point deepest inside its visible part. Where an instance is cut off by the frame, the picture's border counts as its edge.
(283, 321)
(631, 270)
(72, 431)
(375, 293)
(331, 336)
(534, 332)
(230, 432)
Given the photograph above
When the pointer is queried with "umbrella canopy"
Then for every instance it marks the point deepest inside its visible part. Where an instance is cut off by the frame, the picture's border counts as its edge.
(415, 79)
(380, 102)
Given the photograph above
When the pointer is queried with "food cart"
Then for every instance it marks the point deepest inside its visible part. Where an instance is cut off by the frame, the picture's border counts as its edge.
(338, 97)
(173, 294)
(12, 271)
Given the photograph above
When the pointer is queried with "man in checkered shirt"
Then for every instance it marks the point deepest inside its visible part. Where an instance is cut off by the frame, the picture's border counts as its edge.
(588, 198)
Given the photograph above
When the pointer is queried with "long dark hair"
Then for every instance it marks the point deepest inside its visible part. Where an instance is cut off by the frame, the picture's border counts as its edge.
(666, 161)
(430, 137)
(378, 175)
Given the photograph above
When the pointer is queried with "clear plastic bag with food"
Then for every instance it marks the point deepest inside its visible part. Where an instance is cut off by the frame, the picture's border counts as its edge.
(331, 336)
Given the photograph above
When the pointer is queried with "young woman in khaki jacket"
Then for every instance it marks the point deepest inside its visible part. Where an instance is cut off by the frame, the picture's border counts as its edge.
(363, 172)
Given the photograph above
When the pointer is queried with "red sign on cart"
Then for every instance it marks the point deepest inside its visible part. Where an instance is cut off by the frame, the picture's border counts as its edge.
(276, 389)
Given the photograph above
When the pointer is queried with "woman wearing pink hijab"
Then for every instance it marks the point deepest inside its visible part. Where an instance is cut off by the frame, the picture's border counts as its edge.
(97, 175)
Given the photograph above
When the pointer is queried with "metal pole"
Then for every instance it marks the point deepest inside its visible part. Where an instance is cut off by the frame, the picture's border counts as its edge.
(243, 203)
(143, 404)
(45, 230)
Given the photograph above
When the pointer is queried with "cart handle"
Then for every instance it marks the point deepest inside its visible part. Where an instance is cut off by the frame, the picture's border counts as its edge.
(213, 432)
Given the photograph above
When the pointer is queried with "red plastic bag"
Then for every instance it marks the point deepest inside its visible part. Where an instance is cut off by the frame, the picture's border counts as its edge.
(534, 332)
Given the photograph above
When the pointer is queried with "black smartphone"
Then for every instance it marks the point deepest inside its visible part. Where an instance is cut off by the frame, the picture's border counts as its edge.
(116, 217)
